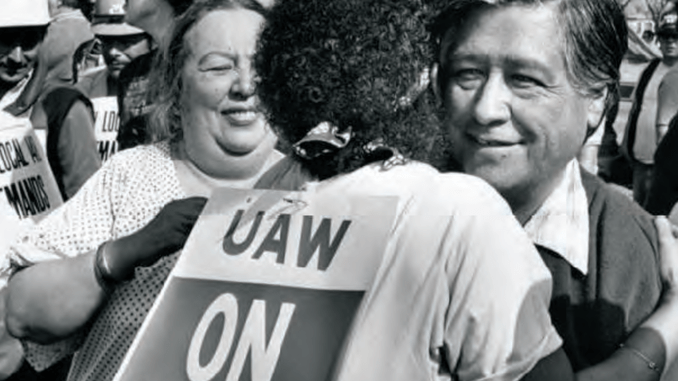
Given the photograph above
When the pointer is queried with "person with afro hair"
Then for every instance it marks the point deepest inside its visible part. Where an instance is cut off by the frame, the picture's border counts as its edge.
(461, 292)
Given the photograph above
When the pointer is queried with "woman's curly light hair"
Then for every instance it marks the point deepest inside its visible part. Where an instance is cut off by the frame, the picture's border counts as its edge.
(352, 63)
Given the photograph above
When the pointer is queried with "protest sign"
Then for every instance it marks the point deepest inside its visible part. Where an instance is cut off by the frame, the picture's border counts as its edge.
(106, 123)
(267, 288)
(28, 190)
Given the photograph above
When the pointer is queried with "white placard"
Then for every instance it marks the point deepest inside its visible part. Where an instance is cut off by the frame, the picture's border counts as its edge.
(267, 288)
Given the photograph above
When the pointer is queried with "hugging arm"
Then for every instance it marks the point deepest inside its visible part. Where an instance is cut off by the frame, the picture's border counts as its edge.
(649, 350)
(51, 300)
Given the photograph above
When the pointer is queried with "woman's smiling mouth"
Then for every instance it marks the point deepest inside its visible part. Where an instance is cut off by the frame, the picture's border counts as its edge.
(241, 117)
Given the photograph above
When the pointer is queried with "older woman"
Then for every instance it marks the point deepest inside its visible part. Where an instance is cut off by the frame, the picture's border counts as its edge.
(92, 269)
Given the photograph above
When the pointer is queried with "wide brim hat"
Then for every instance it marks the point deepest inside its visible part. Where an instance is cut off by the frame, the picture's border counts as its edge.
(23, 13)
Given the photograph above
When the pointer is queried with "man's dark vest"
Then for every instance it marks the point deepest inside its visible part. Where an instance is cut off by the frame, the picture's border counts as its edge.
(57, 104)
(630, 136)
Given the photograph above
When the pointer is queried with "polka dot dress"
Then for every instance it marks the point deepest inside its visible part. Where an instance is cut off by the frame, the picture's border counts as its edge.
(118, 200)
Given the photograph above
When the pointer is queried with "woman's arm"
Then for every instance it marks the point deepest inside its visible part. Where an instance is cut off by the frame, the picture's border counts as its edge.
(52, 300)
(649, 350)
(643, 357)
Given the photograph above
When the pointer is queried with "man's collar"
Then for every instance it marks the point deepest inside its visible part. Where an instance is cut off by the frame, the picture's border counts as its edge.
(561, 224)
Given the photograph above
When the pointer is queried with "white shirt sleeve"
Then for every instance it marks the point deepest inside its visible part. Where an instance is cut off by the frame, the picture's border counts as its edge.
(498, 324)
(76, 227)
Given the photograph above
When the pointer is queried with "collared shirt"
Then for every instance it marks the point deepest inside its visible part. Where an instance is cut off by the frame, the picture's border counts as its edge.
(561, 224)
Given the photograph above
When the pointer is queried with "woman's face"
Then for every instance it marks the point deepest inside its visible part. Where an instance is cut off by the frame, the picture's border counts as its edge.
(219, 108)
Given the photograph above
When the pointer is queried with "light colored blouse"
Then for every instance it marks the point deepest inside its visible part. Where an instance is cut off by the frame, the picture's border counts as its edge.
(118, 200)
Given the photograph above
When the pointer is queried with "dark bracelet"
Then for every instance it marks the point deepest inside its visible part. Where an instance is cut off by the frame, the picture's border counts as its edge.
(102, 272)
(650, 364)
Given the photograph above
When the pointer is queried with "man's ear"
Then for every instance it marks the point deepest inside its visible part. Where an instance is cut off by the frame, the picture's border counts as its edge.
(596, 110)
(434, 83)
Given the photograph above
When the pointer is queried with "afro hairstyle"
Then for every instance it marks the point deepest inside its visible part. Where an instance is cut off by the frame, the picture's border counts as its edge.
(353, 63)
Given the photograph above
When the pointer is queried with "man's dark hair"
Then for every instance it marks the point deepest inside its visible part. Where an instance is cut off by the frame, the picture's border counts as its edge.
(594, 31)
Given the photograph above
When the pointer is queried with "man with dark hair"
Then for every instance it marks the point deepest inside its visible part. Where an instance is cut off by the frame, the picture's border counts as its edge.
(523, 84)
(120, 44)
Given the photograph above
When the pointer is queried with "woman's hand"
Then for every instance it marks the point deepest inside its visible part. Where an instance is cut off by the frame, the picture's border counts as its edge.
(168, 231)
(164, 235)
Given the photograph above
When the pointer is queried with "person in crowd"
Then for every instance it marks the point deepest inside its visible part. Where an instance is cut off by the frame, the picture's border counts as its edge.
(121, 43)
(155, 17)
(68, 29)
(23, 95)
(667, 93)
(20, 81)
(65, 136)
(86, 57)
(133, 215)
(63, 118)
(663, 193)
(644, 123)
(23, 25)
(67, 117)
(516, 115)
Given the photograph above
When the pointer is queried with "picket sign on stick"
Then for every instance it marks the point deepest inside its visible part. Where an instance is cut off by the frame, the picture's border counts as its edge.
(266, 288)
